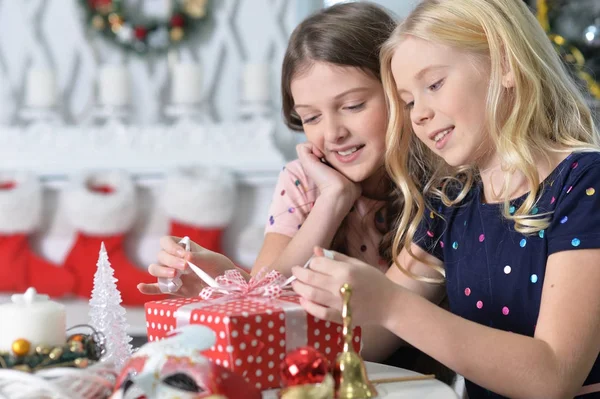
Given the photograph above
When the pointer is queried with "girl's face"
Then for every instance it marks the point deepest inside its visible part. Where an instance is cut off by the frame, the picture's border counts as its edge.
(445, 93)
(344, 115)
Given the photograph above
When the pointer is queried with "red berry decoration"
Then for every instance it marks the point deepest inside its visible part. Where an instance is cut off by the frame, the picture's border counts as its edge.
(177, 20)
(140, 32)
(304, 365)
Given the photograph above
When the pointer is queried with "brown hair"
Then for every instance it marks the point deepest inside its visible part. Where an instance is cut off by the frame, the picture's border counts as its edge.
(350, 35)
(347, 34)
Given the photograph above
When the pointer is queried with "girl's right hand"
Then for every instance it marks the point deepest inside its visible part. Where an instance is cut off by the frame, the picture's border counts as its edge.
(172, 257)
(328, 180)
(319, 287)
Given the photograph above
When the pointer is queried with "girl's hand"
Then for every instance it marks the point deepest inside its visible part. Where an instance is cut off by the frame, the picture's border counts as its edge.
(319, 286)
(328, 180)
(173, 257)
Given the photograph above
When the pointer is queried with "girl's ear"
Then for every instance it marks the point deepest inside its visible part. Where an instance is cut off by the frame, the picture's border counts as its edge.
(508, 79)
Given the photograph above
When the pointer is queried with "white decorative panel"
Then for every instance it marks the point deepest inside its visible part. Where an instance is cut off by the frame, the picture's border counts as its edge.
(52, 33)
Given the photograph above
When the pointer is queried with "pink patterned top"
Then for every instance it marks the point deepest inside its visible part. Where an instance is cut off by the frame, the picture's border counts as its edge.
(294, 197)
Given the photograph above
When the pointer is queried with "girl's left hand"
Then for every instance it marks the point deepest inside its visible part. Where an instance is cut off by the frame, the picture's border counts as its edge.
(319, 286)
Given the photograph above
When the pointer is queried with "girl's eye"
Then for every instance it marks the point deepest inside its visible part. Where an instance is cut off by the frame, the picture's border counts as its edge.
(356, 107)
(409, 105)
(436, 85)
(309, 120)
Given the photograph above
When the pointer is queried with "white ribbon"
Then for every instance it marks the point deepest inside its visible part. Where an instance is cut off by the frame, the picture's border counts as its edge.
(326, 253)
(296, 325)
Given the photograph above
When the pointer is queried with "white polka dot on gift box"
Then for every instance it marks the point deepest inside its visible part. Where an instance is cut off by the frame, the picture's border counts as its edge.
(250, 335)
(326, 337)
(159, 319)
(160, 316)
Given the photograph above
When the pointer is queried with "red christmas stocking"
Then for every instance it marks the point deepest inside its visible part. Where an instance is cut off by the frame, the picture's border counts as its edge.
(20, 216)
(102, 208)
(200, 203)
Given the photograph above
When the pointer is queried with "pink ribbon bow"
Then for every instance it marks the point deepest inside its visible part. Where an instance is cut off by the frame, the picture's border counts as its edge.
(266, 284)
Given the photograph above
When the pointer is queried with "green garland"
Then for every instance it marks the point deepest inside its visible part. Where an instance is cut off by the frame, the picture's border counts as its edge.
(80, 350)
(109, 18)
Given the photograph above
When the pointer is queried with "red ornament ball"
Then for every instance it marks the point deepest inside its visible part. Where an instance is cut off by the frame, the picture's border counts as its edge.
(304, 365)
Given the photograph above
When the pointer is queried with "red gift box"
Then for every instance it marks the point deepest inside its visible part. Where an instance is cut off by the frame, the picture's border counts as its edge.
(253, 333)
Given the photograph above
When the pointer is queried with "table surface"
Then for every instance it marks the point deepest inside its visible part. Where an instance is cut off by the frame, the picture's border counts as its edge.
(425, 389)
(77, 312)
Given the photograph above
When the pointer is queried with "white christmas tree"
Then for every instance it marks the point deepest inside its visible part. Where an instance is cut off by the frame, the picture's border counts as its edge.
(107, 315)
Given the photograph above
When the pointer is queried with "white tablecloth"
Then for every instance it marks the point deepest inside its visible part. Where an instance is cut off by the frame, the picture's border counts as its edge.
(425, 389)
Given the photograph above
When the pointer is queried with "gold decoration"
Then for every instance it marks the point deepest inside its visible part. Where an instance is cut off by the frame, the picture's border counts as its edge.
(22, 367)
(195, 8)
(571, 54)
(42, 350)
(542, 14)
(20, 347)
(115, 18)
(77, 337)
(56, 353)
(98, 22)
(350, 371)
(176, 34)
(81, 362)
(75, 346)
(116, 22)
(322, 390)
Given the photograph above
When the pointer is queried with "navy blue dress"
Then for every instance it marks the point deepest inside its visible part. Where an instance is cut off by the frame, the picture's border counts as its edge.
(495, 274)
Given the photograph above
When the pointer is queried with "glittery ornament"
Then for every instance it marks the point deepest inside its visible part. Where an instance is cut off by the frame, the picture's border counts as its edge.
(304, 365)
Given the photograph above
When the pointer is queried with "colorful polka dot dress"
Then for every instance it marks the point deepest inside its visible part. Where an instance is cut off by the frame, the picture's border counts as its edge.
(495, 274)
(295, 195)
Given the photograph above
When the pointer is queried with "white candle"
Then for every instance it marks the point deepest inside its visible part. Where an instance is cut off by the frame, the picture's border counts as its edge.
(34, 318)
(256, 83)
(186, 84)
(40, 89)
(113, 85)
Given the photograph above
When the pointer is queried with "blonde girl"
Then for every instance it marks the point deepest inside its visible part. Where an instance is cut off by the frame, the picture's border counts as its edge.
(506, 221)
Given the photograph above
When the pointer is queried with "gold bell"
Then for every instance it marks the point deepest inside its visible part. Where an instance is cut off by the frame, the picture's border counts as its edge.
(350, 372)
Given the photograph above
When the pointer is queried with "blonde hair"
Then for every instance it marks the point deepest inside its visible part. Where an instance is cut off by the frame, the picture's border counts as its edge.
(543, 113)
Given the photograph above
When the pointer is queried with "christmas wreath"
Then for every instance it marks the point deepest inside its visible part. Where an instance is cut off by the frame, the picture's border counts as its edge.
(573, 52)
(111, 19)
